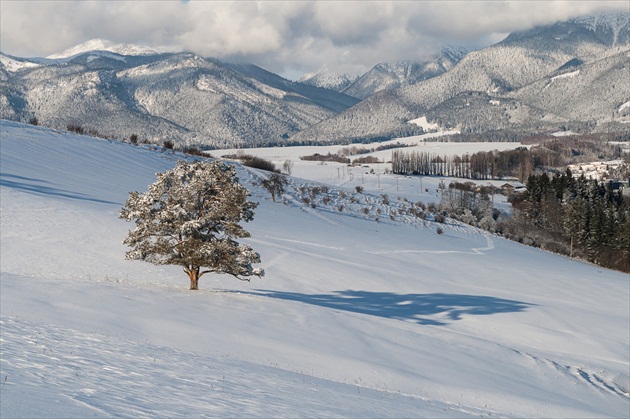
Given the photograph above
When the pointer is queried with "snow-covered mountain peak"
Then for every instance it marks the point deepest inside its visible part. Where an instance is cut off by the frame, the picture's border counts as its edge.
(105, 45)
(615, 23)
(329, 80)
(611, 20)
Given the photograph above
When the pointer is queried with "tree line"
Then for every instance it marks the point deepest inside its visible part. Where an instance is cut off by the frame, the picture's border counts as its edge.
(591, 218)
(576, 217)
(519, 163)
(481, 165)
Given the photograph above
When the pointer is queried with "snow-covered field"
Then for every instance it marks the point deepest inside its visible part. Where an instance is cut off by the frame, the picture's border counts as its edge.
(354, 318)
(331, 173)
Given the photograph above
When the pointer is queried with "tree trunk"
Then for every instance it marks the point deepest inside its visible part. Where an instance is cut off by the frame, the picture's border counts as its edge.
(193, 274)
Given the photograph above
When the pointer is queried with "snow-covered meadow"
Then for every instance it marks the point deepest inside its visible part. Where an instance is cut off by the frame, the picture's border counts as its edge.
(354, 318)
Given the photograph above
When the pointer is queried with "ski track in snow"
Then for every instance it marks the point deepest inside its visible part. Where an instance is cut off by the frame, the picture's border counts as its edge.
(578, 375)
(306, 243)
(474, 250)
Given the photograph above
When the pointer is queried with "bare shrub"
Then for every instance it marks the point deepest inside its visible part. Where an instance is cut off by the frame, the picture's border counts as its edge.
(258, 163)
(275, 184)
(253, 161)
(287, 166)
(365, 160)
(76, 128)
(328, 157)
(193, 151)
(349, 151)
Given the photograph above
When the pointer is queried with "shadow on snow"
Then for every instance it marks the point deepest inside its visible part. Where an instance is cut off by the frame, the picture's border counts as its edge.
(38, 186)
(408, 307)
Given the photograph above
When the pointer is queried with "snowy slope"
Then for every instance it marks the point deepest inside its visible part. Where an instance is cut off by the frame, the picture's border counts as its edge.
(12, 64)
(354, 318)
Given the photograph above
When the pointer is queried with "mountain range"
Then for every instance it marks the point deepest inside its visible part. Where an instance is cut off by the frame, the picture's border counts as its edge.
(571, 75)
(386, 76)
(180, 97)
(574, 74)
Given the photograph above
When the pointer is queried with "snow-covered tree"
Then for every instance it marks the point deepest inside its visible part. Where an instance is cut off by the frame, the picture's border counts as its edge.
(190, 217)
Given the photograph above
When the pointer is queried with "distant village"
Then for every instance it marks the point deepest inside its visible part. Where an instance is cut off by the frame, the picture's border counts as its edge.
(600, 170)
(603, 171)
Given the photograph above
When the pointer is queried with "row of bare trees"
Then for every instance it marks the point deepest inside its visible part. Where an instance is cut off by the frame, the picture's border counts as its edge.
(519, 163)
(482, 165)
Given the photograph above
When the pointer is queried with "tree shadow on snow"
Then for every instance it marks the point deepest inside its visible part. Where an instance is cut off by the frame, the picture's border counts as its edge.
(38, 186)
(409, 307)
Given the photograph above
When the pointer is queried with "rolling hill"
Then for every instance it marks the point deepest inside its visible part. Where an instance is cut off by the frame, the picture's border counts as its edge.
(353, 318)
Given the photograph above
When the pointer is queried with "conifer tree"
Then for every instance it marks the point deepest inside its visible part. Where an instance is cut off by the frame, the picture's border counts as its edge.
(190, 217)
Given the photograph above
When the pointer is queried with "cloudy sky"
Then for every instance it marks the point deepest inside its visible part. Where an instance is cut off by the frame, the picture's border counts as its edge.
(286, 37)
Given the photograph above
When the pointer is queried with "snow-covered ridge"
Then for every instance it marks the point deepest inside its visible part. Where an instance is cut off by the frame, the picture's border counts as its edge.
(566, 75)
(328, 80)
(13, 65)
(615, 22)
(98, 54)
(105, 45)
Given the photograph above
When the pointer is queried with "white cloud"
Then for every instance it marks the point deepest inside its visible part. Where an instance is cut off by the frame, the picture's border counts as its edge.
(287, 36)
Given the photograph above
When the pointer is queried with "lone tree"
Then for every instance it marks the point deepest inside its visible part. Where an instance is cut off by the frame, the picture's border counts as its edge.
(275, 184)
(190, 217)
